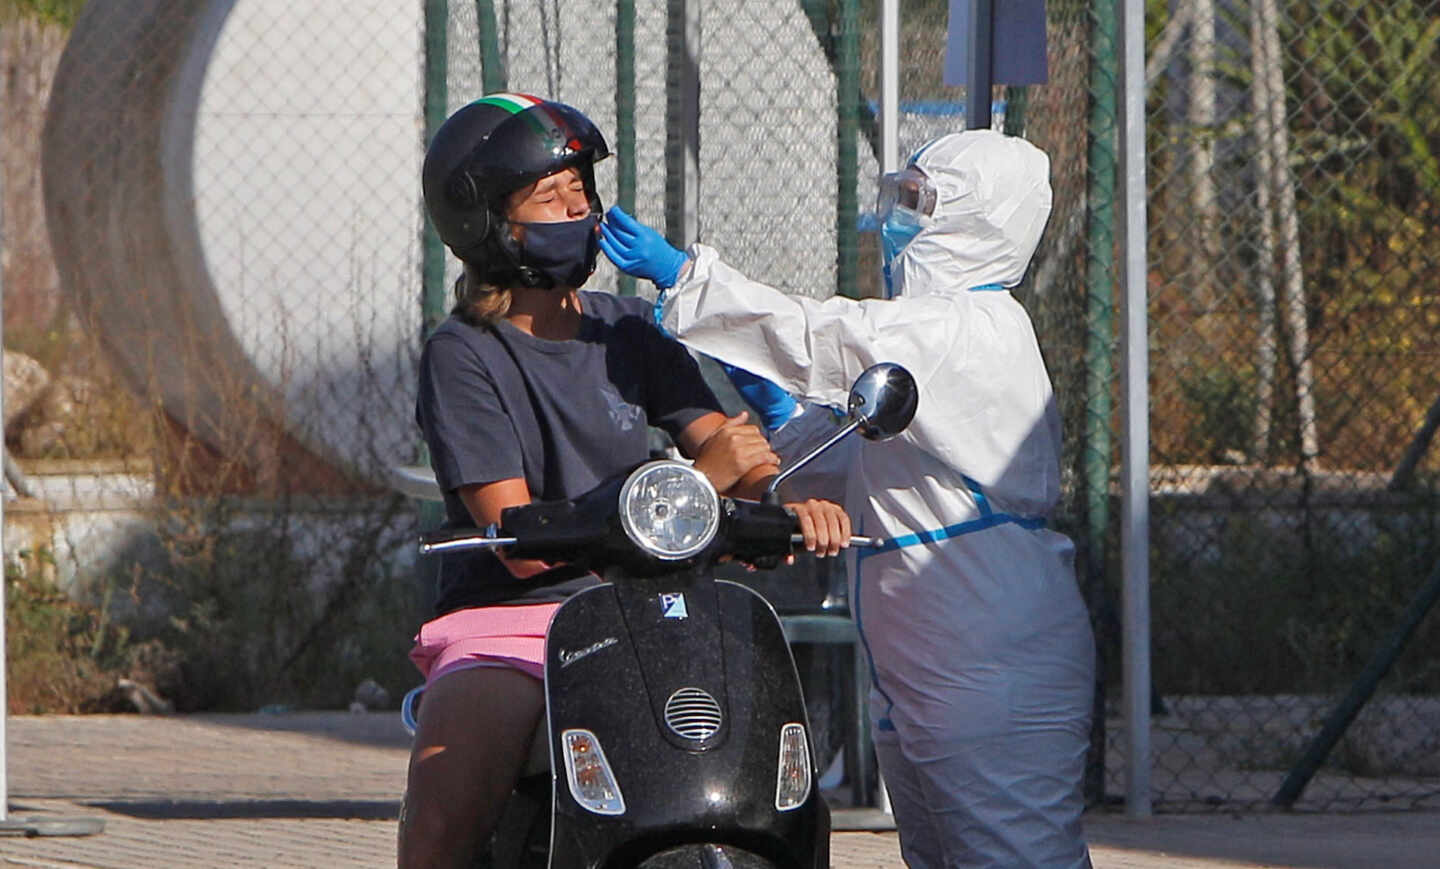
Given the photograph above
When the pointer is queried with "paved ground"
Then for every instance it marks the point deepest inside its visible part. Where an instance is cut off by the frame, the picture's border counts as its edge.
(321, 790)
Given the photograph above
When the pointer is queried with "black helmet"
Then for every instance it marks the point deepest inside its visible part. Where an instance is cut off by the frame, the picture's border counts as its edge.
(489, 149)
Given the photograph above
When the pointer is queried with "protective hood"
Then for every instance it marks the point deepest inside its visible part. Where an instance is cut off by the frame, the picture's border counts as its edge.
(993, 200)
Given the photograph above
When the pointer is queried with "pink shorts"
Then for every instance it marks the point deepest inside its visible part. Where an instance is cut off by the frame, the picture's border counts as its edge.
(493, 636)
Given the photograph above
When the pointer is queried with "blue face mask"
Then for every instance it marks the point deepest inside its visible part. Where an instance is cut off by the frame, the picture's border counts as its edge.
(899, 229)
(564, 252)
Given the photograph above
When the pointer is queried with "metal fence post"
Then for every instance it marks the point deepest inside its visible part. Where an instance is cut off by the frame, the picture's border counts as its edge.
(847, 127)
(625, 118)
(978, 72)
(682, 128)
(1360, 692)
(432, 257)
(1016, 100)
(1135, 445)
(432, 251)
(4, 660)
(493, 77)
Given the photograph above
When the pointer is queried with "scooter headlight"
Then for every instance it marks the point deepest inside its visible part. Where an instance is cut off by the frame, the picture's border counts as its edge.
(792, 784)
(669, 509)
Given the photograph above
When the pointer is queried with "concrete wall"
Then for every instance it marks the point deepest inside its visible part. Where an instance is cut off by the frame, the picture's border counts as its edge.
(233, 189)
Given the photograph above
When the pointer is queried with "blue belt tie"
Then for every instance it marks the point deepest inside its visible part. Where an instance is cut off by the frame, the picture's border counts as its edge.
(988, 519)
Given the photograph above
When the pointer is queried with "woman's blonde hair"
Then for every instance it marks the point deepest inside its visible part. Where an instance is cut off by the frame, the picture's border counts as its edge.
(478, 303)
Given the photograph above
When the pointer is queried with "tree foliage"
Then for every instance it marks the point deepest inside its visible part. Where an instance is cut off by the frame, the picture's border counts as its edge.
(62, 12)
(1366, 82)
(1361, 110)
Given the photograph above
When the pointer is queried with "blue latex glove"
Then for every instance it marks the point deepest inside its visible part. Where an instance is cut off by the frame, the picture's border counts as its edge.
(774, 404)
(638, 250)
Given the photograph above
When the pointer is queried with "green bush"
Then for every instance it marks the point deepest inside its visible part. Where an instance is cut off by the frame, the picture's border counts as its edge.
(62, 656)
(242, 602)
(221, 612)
(1292, 609)
(1223, 420)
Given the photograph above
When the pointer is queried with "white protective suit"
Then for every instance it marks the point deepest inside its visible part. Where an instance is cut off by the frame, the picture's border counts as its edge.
(980, 644)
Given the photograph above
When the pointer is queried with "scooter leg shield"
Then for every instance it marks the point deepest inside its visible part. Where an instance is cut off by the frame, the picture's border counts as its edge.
(685, 688)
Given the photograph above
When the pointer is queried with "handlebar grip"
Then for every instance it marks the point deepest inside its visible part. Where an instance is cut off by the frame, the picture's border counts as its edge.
(859, 542)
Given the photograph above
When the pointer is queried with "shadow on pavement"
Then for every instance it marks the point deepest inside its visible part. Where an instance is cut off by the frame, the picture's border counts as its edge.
(217, 810)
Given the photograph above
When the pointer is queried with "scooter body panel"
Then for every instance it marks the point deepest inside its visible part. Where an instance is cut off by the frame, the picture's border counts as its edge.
(616, 654)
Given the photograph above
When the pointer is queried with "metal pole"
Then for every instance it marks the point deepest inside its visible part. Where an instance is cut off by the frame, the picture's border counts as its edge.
(978, 72)
(20, 826)
(492, 61)
(625, 118)
(1135, 449)
(1405, 471)
(889, 85)
(4, 662)
(682, 175)
(847, 158)
(432, 259)
(889, 103)
(1359, 694)
(432, 252)
(1016, 99)
(691, 206)
(1098, 438)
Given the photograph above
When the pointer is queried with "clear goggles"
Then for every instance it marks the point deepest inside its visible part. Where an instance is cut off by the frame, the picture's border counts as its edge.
(909, 189)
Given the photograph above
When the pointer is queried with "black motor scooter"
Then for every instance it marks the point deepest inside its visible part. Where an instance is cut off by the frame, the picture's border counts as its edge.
(676, 730)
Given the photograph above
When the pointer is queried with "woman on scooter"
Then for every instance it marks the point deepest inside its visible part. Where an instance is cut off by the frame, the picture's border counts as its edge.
(533, 390)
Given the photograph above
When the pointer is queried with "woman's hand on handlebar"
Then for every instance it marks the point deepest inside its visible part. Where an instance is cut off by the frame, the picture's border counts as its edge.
(731, 451)
(824, 524)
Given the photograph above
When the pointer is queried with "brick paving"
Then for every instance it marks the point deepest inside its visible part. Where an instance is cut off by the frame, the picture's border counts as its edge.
(317, 789)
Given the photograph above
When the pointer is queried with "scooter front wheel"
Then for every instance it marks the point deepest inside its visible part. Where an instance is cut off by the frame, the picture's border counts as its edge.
(706, 856)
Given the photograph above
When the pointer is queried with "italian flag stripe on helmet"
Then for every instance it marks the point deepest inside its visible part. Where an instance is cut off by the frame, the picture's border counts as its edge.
(512, 103)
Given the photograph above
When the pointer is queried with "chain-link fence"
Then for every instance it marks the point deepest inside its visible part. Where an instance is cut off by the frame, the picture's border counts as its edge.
(1293, 154)
(236, 217)
(234, 223)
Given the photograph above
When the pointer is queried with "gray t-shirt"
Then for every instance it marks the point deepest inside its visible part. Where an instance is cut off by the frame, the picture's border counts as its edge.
(497, 403)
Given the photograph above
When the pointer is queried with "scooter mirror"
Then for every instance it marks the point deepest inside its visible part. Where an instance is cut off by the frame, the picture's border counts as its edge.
(883, 400)
(882, 403)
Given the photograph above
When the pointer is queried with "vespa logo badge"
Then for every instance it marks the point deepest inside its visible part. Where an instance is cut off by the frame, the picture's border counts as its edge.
(672, 606)
(568, 658)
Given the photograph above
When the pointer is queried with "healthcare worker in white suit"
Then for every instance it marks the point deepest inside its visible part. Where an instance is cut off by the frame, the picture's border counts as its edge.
(980, 644)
